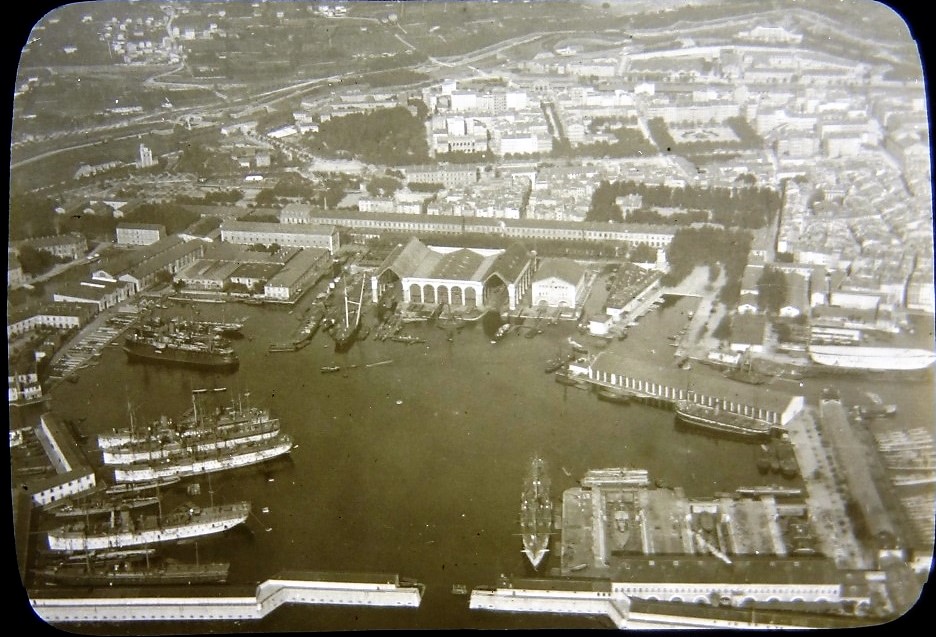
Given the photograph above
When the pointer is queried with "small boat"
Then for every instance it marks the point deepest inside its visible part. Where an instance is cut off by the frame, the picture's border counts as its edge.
(501, 332)
(764, 456)
(572, 380)
(459, 589)
(613, 395)
(330, 369)
(554, 365)
(877, 408)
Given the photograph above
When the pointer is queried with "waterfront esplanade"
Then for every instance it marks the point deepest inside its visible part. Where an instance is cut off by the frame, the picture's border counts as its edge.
(653, 381)
(457, 276)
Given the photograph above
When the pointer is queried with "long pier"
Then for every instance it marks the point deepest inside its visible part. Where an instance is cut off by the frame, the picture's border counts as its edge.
(383, 590)
(602, 598)
(596, 598)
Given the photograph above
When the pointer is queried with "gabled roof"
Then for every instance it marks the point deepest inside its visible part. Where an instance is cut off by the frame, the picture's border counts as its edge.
(562, 269)
(461, 265)
(417, 260)
(509, 265)
(405, 259)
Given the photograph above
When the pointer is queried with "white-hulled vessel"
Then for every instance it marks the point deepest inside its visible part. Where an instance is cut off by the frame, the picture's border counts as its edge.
(194, 463)
(883, 359)
(172, 445)
(123, 530)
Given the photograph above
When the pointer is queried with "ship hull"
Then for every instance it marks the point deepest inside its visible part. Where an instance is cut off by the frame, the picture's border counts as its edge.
(152, 450)
(169, 574)
(101, 507)
(612, 395)
(151, 530)
(345, 338)
(243, 456)
(227, 426)
(729, 424)
(173, 356)
(871, 359)
(536, 514)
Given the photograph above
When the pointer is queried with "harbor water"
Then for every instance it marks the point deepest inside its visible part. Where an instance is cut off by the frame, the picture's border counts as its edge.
(416, 466)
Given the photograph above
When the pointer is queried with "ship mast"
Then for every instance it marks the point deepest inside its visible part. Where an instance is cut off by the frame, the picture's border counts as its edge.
(347, 321)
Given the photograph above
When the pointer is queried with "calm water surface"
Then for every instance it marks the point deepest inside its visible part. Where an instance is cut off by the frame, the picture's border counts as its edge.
(416, 466)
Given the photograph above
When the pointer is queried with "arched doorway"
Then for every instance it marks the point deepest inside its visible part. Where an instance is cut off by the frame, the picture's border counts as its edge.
(455, 296)
(415, 293)
(442, 294)
(471, 297)
(429, 296)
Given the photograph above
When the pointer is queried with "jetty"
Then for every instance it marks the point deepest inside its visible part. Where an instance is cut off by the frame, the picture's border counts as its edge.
(232, 602)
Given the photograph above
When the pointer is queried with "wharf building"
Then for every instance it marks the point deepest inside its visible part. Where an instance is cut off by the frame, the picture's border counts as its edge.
(662, 385)
(73, 474)
(418, 273)
(301, 271)
(755, 547)
(61, 316)
(98, 294)
(225, 263)
(558, 283)
(140, 268)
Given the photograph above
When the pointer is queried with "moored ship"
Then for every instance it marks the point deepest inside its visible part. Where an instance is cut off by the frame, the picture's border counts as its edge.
(168, 446)
(100, 505)
(613, 394)
(871, 359)
(226, 424)
(565, 377)
(877, 409)
(122, 530)
(720, 420)
(536, 513)
(181, 349)
(198, 463)
(227, 329)
(346, 333)
(131, 573)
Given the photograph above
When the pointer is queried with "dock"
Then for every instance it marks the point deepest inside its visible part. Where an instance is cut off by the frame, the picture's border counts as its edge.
(236, 603)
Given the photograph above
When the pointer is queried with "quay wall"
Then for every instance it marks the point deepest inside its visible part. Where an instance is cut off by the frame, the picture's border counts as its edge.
(729, 593)
(269, 596)
(615, 606)
(525, 600)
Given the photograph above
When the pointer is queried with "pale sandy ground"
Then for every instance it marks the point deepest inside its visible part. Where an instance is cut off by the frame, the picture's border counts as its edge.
(698, 340)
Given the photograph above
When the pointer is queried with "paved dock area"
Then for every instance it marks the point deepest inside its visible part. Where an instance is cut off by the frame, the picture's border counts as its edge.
(825, 494)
